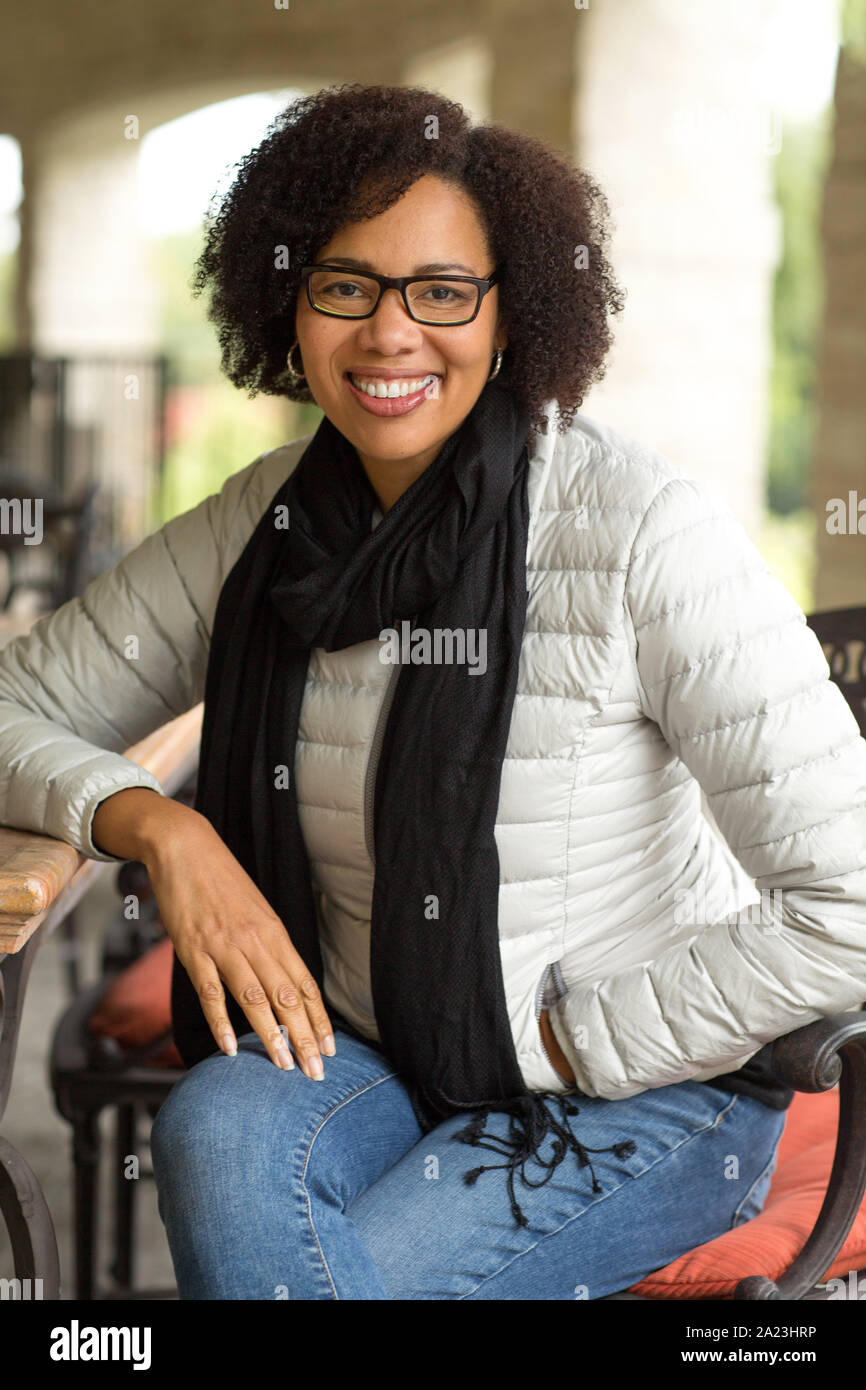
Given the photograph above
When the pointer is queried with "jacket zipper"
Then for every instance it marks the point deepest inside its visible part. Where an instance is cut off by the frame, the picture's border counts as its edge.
(551, 984)
(551, 977)
(373, 760)
(539, 999)
(539, 993)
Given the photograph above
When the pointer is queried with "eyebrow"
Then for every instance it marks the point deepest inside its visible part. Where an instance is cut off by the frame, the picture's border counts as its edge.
(431, 268)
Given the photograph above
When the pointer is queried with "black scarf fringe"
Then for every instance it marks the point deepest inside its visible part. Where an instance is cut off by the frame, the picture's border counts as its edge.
(531, 1120)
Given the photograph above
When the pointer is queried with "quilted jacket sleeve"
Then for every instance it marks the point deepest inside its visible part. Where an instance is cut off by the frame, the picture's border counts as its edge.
(739, 685)
(108, 668)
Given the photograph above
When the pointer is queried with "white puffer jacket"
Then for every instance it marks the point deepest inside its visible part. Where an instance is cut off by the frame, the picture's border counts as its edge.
(660, 659)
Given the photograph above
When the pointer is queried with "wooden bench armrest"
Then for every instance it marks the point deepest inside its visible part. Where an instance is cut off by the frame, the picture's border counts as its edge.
(41, 879)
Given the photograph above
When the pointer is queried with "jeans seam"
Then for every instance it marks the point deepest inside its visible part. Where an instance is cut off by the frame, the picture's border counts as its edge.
(333, 1110)
(763, 1173)
(693, 1135)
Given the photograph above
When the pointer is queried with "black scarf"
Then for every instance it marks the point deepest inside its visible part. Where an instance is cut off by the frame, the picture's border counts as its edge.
(450, 554)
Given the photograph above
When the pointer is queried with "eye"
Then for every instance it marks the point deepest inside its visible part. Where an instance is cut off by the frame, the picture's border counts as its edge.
(338, 285)
(446, 294)
(329, 293)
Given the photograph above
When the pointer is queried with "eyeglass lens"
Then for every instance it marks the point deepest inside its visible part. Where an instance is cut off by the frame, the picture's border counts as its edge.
(434, 301)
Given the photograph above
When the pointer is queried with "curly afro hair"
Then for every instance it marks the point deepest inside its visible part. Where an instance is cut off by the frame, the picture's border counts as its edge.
(348, 153)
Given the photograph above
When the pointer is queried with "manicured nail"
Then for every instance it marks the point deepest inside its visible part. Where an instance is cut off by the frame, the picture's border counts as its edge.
(230, 1047)
(328, 1046)
(284, 1057)
(317, 1069)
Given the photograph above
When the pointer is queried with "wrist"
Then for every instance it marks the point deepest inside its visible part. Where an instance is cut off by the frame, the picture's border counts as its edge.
(165, 830)
(140, 823)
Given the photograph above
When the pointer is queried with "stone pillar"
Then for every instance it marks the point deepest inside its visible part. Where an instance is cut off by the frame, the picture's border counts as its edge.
(839, 452)
(534, 74)
(460, 71)
(22, 307)
(91, 290)
(671, 120)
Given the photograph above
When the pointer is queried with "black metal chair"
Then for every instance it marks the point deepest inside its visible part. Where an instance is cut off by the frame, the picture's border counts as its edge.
(67, 527)
(842, 634)
(90, 1074)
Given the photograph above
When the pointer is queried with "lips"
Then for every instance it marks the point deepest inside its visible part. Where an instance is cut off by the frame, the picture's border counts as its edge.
(391, 382)
(389, 406)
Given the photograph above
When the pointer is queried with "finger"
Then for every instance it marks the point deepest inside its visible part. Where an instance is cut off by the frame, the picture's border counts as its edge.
(205, 979)
(252, 997)
(295, 971)
(296, 1004)
(272, 947)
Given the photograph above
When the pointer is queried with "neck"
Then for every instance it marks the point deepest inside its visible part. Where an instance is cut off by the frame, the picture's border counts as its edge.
(390, 478)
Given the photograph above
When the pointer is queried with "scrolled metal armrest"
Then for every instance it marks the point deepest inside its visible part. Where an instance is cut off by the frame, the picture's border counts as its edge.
(814, 1058)
(808, 1058)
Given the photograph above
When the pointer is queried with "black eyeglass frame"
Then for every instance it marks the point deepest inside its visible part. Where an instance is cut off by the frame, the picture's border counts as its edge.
(399, 282)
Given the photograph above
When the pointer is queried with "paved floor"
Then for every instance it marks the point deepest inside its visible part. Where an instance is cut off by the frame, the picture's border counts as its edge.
(42, 1136)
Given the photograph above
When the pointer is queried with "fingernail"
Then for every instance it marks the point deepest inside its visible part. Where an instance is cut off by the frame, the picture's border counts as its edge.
(328, 1045)
(317, 1069)
(230, 1047)
(284, 1058)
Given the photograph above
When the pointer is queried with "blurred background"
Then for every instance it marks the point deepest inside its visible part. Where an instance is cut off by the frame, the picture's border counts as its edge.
(730, 140)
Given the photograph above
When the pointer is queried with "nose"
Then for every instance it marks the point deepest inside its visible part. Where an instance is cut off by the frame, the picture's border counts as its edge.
(390, 328)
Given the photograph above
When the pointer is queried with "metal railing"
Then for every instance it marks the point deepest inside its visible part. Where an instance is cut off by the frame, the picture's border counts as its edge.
(68, 422)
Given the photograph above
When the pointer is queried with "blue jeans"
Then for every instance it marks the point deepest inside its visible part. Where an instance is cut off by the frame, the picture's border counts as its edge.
(271, 1185)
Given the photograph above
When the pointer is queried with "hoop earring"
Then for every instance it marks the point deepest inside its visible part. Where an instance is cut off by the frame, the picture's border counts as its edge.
(495, 371)
(298, 378)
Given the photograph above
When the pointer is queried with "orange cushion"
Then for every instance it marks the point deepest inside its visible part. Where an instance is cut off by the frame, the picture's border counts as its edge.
(136, 1007)
(771, 1241)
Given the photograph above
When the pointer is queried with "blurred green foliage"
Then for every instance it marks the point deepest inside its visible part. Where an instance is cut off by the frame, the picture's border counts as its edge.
(853, 28)
(217, 430)
(787, 543)
(226, 433)
(789, 528)
(185, 333)
(8, 265)
(797, 305)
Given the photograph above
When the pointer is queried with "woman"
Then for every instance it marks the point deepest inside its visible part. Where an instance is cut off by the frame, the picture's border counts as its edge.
(468, 662)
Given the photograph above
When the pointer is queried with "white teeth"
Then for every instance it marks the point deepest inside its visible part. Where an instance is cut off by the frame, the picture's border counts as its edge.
(390, 389)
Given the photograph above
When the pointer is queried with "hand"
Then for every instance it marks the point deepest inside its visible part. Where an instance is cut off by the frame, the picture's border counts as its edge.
(558, 1059)
(222, 928)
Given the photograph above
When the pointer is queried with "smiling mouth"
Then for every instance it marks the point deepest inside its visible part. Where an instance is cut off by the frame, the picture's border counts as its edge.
(395, 388)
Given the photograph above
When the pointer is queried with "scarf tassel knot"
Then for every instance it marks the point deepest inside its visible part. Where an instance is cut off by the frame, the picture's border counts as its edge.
(530, 1120)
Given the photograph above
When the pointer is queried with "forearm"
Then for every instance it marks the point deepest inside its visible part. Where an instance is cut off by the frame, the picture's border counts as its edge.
(132, 823)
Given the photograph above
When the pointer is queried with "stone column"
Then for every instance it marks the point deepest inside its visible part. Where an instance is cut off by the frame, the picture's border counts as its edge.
(670, 117)
(90, 285)
(535, 73)
(460, 70)
(22, 307)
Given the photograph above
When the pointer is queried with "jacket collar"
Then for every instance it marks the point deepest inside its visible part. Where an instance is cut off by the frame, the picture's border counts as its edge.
(540, 458)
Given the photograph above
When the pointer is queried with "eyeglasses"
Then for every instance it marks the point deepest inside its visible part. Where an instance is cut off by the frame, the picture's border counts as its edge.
(434, 299)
